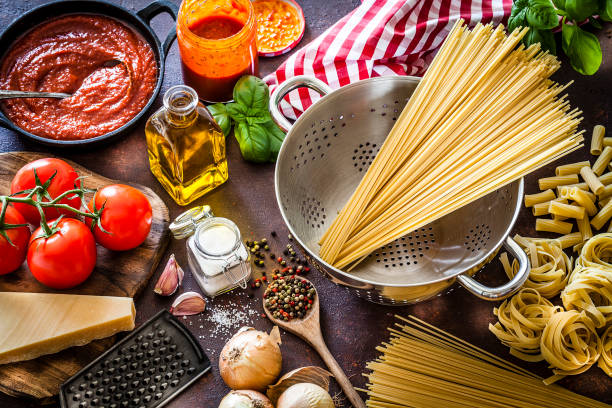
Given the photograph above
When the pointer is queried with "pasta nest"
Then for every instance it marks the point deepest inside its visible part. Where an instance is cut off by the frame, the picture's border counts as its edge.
(550, 266)
(569, 343)
(522, 320)
(597, 251)
(605, 360)
(590, 291)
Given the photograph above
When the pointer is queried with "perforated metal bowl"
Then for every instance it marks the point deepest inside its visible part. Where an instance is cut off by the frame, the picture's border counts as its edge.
(324, 156)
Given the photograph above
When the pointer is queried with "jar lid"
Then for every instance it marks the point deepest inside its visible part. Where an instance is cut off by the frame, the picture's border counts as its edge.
(185, 224)
(280, 26)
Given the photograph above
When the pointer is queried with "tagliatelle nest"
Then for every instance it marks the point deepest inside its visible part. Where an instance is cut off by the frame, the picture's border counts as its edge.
(570, 344)
(550, 266)
(605, 360)
(597, 252)
(522, 320)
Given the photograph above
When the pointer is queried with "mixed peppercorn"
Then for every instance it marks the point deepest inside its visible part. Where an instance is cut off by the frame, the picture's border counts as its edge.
(289, 297)
(284, 279)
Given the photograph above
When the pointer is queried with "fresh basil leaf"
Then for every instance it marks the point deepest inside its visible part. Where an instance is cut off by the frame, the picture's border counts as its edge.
(252, 92)
(518, 17)
(559, 4)
(605, 10)
(580, 10)
(276, 137)
(546, 39)
(237, 111)
(541, 14)
(254, 142)
(222, 117)
(255, 115)
(582, 48)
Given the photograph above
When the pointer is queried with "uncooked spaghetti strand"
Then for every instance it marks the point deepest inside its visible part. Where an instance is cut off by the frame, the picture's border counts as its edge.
(490, 67)
(423, 369)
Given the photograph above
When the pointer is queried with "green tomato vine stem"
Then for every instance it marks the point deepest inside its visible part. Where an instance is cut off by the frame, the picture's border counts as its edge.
(41, 192)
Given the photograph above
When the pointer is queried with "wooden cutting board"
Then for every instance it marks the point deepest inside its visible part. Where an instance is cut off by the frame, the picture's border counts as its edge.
(116, 274)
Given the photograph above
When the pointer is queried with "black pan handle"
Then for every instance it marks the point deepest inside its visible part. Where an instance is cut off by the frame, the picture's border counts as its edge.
(7, 124)
(158, 7)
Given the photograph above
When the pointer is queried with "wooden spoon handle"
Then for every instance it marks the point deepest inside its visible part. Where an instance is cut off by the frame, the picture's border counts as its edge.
(338, 373)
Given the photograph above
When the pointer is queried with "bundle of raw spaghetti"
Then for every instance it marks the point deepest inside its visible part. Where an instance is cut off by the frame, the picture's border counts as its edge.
(425, 367)
(484, 115)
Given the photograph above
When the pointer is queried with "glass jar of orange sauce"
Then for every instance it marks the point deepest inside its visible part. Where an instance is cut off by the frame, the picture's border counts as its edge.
(218, 44)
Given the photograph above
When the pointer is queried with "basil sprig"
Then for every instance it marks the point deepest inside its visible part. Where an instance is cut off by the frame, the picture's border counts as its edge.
(259, 137)
(541, 16)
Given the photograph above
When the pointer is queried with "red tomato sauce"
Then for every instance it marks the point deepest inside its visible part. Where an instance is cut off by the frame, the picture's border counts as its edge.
(216, 27)
(216, 88)
(68, 54)
(278, 25)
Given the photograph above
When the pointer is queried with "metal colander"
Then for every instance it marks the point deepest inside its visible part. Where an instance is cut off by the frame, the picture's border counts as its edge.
(324, 156)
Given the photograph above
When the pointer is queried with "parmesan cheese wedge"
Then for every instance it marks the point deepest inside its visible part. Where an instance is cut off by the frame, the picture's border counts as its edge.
(35, 324)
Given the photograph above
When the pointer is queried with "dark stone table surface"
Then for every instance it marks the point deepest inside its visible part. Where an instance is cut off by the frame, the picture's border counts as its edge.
(351, 326)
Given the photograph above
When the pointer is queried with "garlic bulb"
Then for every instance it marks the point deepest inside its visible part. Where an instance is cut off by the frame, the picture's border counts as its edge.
(245, 399)
(305, 395)
(250, 360)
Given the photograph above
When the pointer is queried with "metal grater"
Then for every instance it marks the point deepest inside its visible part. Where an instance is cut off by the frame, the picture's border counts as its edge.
(146, 369)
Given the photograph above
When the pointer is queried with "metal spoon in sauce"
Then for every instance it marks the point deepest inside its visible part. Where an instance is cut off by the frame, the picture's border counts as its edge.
(9, 94)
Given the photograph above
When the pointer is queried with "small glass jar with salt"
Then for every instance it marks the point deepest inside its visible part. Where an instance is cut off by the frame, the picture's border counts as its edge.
(218, 259)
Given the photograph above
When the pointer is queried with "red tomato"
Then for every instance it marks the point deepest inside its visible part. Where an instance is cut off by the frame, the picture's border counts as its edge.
(64, 180)
(13, 255)
(127, 217)
(66, 258)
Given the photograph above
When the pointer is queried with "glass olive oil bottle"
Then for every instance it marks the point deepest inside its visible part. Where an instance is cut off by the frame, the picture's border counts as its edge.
(186, 147)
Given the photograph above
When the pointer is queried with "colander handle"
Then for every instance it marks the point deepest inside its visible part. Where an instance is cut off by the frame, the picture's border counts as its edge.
(501, 292)
(289, 85)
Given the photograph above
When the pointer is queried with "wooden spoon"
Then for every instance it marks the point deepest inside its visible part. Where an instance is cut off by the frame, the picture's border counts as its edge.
(309, 330)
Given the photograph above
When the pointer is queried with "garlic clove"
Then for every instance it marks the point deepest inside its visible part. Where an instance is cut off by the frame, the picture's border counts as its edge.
(170, 279)
(188, 303)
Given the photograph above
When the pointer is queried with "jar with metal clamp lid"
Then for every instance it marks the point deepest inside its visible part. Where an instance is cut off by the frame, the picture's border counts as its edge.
(218, 259)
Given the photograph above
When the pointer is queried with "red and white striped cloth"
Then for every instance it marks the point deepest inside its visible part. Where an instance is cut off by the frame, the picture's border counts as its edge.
(380, 37)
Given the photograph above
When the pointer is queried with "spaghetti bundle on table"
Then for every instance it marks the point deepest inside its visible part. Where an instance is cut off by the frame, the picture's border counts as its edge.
(485, 114)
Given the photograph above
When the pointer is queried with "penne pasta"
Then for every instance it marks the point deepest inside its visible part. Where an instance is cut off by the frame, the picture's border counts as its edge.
(606, 192)
(585, 199)
(578, 247)
(566, 210)
(559, 227)
(602, 161)
(597, 140)
(607, 141)
(532, 199)
(591, 179)
(602, 216)
(581, 186)
(542, 208)
(552, 182)
(568, 240)
(572, 168)
(606, 178)
(602, 203)
(584, 227)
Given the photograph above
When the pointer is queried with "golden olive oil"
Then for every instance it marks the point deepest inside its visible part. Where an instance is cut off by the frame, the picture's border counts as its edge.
(186, 147)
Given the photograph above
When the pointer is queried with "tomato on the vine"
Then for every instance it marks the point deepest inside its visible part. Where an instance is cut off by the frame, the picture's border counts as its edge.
(12, 256)
(126, 217)
(64, 180)
(66, 258)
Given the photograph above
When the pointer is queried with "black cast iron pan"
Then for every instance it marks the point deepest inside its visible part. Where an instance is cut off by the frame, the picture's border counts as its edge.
(139, 20)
